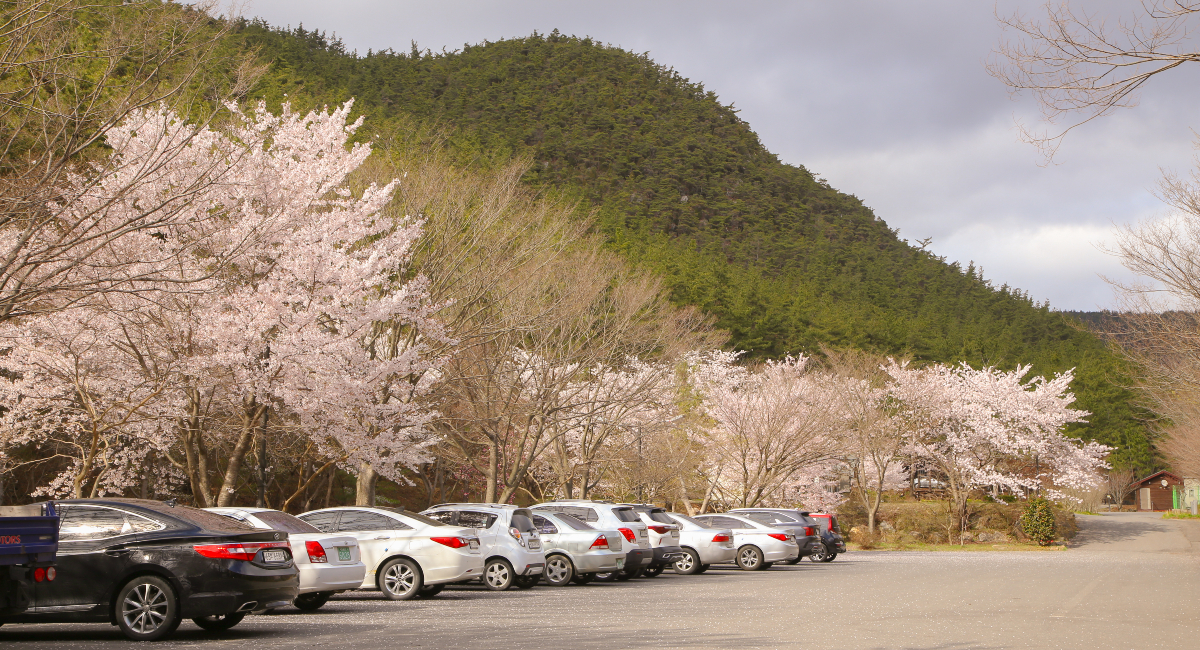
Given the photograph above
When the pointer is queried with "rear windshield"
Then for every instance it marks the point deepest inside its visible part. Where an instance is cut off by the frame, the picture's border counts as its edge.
(571, 521)
(208, 520)
(522, 521)
(285, 522)
(626, 514)
(660, 516)
(409, 514)
(688, 519)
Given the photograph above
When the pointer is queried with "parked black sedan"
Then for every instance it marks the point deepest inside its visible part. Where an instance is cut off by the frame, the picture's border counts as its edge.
(144, 566)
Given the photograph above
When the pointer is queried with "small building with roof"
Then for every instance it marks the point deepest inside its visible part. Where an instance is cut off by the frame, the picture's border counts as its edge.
(1160, 491)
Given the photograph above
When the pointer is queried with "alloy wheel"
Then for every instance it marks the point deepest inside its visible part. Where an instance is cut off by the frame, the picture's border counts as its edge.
(748, 558)
(144, 609)
(818, 553)
(399, 579)
(685, 563)
(558, 570)
(498, 576)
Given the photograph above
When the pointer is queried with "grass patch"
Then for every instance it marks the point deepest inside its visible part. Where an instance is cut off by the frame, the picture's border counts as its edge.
(1179, 515)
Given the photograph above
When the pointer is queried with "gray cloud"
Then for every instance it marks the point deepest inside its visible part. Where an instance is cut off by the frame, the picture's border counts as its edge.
(889, 101)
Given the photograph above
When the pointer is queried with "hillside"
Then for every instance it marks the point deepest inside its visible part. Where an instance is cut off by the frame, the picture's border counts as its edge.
(684, 186)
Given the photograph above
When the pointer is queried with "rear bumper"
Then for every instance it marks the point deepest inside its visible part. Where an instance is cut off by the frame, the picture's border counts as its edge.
(331, 577)
(666, 554)
(714, 554)
(637, 558)
(242, 586)
(781, 553)
(534, 568)
(597, 562)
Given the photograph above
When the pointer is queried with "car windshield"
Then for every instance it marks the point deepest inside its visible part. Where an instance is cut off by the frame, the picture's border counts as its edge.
(572, 522)
(626, 514)
(284, 522)
(408, 514)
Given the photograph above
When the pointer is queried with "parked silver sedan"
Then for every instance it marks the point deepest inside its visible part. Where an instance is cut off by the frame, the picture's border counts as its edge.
(758, 545)
(702, 545)
(576, 552)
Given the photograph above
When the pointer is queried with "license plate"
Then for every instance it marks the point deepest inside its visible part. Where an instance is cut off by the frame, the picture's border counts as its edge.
(343, 553)
(274, 556)
(620, 563)
(642, 533)
(535, 545)
(474, 543)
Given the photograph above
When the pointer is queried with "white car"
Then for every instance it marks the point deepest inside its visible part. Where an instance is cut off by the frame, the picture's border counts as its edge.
(511, 546)
(575, 551)
(407, 554)
(702, 545)
(758, 545)
(327, 563)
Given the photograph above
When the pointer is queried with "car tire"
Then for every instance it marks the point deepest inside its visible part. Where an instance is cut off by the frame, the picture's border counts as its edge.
(628, 574)
(429, 591)
(766, 565)
(527, 582)
(829, 557)
(498, 575)
(312, 602)
(795, 560)
(219, 623)
(688, 563)
(559, 572)
(653, 570)
(147, 609)
(583, 578)
(703, 568)
(818, 553)
(400, 579)
(749, 558)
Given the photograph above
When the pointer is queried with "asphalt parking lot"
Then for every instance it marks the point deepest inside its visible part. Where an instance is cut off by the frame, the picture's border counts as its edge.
(1130, 581)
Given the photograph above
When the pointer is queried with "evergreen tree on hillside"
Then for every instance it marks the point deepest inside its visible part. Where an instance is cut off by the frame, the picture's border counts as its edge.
(682, 185)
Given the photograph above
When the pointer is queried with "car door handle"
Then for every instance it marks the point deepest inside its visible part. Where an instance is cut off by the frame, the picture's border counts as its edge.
(382, 537)
(116, 551)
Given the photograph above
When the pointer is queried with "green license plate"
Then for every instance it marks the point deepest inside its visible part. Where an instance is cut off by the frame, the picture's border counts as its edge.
(344, 553)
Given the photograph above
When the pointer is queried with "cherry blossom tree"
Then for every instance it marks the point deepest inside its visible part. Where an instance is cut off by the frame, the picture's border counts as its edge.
(974, 427)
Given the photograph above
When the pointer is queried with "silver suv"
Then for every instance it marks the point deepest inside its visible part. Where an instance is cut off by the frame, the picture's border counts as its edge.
(664, 537)
(510, 543)
(607, 515)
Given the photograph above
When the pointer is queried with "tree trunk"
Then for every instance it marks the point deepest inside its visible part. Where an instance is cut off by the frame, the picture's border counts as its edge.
(367, 478)
(251, 414)
(493, 471)
(261, 448)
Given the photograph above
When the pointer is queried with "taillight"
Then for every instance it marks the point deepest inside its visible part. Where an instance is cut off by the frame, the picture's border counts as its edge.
(808, 530)
(721, 537)
(627, 533)
(316, 552)
(661, 530)
(516, 534)
(243, 551)
(452, 542)
(783, 537)
(601, 542)
(51, 573)
(39, 574)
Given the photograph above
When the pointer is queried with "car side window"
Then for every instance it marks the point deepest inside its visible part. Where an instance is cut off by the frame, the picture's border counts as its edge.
(764, 517)
(85, 523)
(356, 520)
(472, 519)
(581, 513)
(544, 526)
(326, 522)
(729, 522)
(444, 516)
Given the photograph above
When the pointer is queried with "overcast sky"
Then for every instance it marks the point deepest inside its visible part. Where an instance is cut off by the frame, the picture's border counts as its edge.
(889, 101)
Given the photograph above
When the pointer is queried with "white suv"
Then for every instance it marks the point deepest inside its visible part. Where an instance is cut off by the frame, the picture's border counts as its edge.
(511, 545)
(611, 516)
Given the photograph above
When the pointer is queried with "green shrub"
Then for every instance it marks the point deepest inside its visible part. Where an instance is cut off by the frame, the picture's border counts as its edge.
(1038, 521)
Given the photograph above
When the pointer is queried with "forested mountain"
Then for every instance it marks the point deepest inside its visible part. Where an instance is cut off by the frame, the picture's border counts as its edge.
(682, 185)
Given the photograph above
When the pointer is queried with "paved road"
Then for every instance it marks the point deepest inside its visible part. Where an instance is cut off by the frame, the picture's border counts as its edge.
(1130, 581)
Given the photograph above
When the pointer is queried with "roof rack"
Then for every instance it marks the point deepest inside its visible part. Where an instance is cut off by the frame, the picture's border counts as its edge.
(477, 505)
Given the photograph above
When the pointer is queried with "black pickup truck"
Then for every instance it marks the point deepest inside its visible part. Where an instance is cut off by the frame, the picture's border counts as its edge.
(28, 544)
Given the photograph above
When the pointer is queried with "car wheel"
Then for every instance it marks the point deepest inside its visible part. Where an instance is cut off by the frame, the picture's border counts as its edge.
(606, 577)
(219, 623)
(312, 602)
(795, 560)
(688, 563)
(766, 565)
(498, 575)
(147, 609)
(653, 571)
(583, 578)
(829, 557)
(400, 579)
(703, 568)
(527, 582)
(559, 571)
(429, 591)
(818, 553)
(628, 574)
(749, 558)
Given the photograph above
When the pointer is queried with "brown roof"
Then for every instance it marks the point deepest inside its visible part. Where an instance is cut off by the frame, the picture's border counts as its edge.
(1158, 476)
